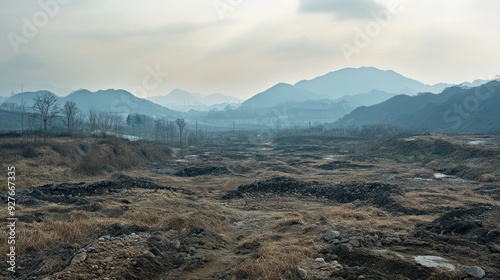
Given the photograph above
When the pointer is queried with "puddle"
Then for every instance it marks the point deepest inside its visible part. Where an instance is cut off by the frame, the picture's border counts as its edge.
(441, 176)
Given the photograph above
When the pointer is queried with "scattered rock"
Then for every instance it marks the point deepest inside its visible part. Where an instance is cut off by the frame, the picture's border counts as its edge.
(355, 242)
(337, 266)
(346, 248)
(495, 248)
(176, 244)
(331, 234)
(434, 261)
(474, 271)
(302, 273)
(79, 258)
(320, 261)
(393, 240)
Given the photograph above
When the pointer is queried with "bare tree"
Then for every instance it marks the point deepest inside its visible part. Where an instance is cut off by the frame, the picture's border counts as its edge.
(159, 130)
(164, 130)
(70, 114)
(92, 120)
(181, 123)
(117, 123)
(79, 123)
(46, 109)
(105, 123)
(22, 108)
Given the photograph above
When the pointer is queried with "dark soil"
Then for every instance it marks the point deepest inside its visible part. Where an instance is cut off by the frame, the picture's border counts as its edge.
(201, 171)
(479, 224)
(361, 262)
(492, 191)
(342, 165)
(74, 193)
(377, 194)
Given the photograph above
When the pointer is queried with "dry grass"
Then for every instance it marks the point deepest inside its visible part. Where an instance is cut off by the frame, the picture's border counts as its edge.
(38, 236)
(438, 198)
(369, 218)
(273, 262)
(61, 159)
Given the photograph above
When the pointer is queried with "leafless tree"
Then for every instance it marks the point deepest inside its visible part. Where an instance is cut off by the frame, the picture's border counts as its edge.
(79, 123)
(70, 114)
(22, 108)
(105, 123)
(92, 120)
(181, 123)
(117, 123)
(170, 131)
(46, 109)
(159, 130)
(164, 130)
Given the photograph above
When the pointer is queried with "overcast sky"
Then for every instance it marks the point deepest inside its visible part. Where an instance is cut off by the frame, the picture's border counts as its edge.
(240, 47)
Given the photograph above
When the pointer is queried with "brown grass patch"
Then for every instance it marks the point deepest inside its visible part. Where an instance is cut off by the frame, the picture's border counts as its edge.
(38, 236)
(273, 262)
(369, 218)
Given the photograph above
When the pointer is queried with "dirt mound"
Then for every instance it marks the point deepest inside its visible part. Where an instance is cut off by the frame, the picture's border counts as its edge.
(362, 158)
(377, 194)
(492, 191)
(201, 171)
(136, 253)
(364, 263)
(342, 165)
(479, 224)
(74, 193)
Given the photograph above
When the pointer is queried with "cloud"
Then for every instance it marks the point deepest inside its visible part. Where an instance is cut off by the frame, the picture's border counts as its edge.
(341, 9)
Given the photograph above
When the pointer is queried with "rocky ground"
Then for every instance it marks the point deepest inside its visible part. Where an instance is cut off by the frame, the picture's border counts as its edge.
(273, 210)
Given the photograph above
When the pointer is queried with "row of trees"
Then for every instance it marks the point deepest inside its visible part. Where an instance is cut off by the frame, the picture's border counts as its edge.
(46, 110)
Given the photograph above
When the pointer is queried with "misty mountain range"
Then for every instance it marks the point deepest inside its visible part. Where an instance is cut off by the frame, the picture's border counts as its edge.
(182, 100)
(457, 109)
(363, 86)
(348, 97)
(114, 101)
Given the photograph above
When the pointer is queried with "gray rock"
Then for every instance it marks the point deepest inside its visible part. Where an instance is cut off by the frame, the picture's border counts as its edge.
(393, 240)
(435, 261)
(331, 234)
(302, 273)
(320, 261)
(345, 240)
(79, 258)
(346, 248)
(101, 239)
(495, 248)
(474, 271)
(176, 244)
(355, 242)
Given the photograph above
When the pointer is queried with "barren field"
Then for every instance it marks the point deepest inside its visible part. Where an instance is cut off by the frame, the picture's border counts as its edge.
(426, 207)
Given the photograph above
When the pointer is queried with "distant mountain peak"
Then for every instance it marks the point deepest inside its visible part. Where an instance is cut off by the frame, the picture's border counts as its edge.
(184, 100)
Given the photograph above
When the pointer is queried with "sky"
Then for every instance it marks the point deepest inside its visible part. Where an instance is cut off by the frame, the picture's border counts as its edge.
(239, 47)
